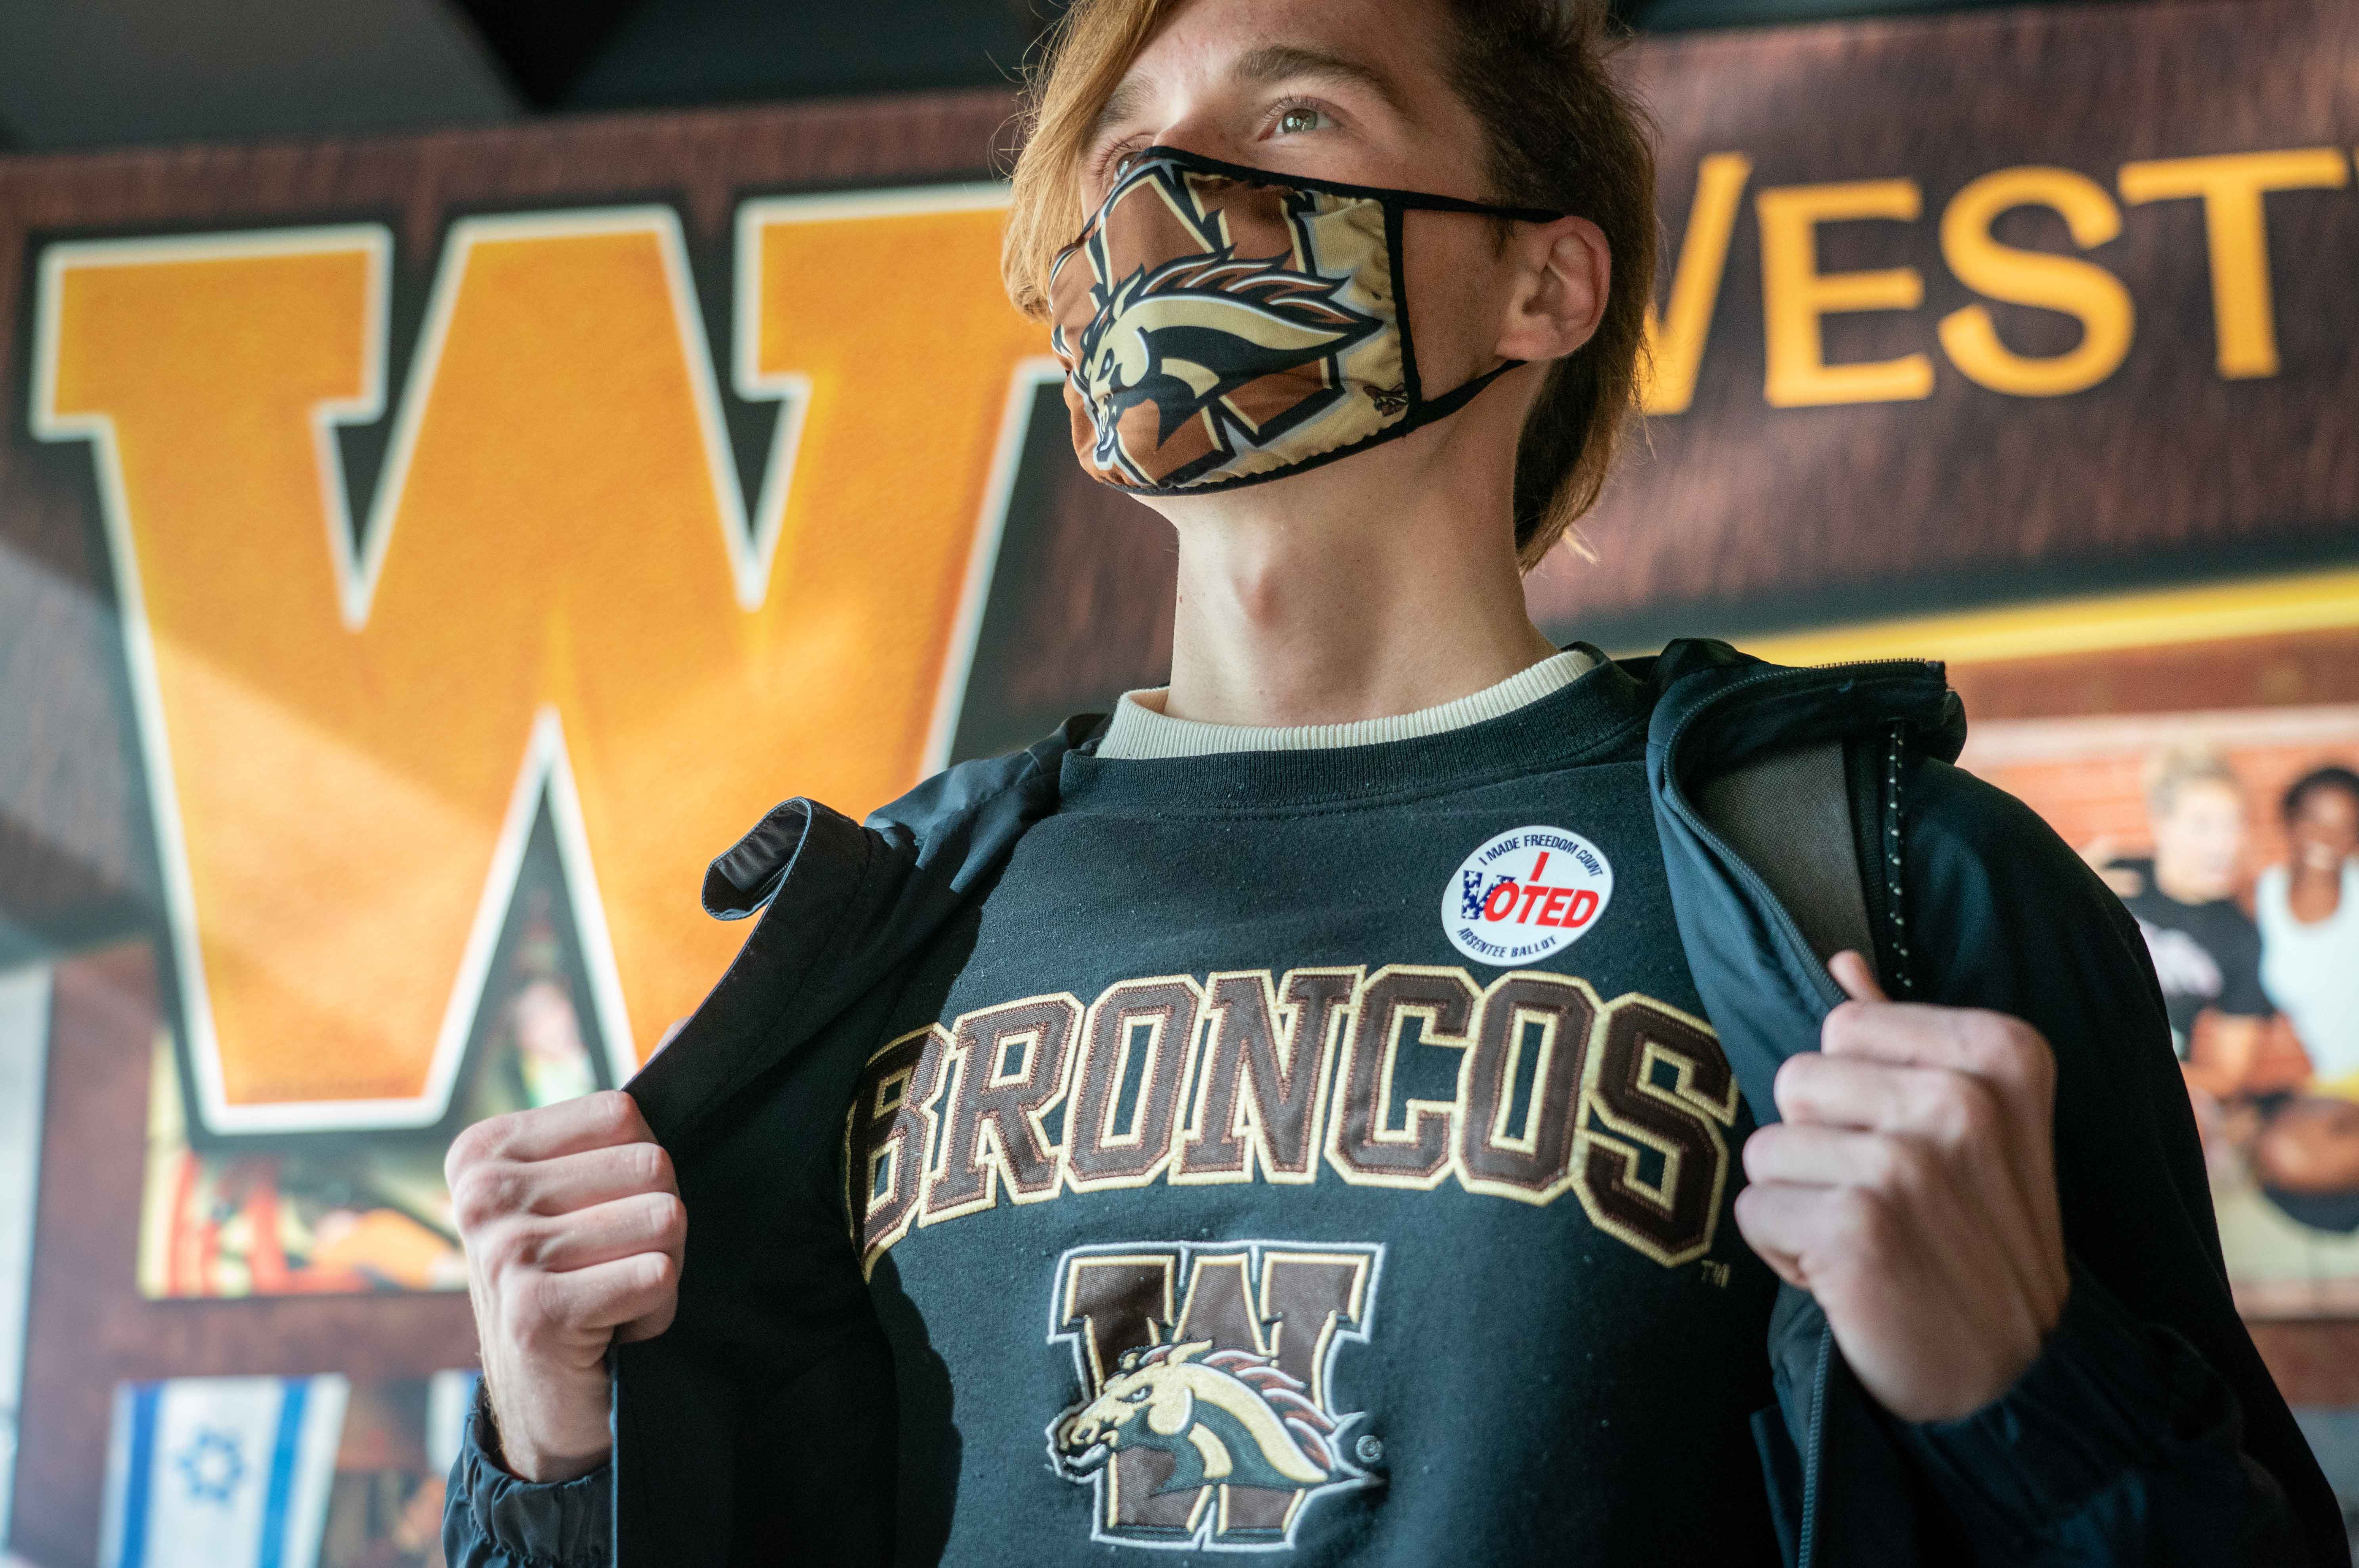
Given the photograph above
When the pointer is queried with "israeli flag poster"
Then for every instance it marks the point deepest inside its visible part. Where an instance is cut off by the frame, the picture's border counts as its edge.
(221, 1472)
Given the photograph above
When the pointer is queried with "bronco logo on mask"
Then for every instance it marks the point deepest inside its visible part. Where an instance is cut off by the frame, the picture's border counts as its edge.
(1209, 1419)
(1220, 325)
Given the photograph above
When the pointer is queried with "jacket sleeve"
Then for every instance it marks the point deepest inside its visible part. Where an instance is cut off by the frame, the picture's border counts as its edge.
(491, 1519)
(2120, 1445)
(2147, 1430)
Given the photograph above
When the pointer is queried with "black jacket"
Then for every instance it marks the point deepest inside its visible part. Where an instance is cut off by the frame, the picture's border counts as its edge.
(759, 1428)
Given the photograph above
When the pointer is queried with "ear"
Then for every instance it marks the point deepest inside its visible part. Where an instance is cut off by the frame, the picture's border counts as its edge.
(1562, 272)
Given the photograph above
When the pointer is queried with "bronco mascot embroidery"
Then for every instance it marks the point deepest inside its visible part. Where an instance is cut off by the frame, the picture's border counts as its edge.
(1206, 1417)
(1228, 1418)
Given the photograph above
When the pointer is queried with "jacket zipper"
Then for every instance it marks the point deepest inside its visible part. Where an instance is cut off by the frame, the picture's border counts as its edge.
(1808, 1555)
(1829, 993)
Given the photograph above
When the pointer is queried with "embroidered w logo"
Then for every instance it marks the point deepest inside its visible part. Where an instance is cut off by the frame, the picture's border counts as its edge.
(1208, 1418)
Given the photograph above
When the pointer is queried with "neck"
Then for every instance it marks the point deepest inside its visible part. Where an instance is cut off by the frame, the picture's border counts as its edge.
(1378, 592)
(2309, 872)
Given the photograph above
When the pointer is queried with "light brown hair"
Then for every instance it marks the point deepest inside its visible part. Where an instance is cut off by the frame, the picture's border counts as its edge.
(2170, 772)
(1559, 132)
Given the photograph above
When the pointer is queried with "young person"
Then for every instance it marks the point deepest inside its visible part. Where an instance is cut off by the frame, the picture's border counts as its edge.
(1284, 1116)
(2206, 950)
(2309, 920)
(2308, 1154)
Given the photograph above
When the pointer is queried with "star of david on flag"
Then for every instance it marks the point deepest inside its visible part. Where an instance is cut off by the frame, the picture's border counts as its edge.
(221, 1472)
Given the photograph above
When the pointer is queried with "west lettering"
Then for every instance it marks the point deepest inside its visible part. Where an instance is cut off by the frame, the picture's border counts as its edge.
(1676, 336)
(1796, 296)
(2083, 290)
(2232, 187)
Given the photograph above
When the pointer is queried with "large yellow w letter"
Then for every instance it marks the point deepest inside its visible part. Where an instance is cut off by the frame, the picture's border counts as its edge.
(557, 592)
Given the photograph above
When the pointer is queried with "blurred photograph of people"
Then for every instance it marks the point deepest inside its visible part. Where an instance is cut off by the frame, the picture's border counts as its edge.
(2206, 949)
(2264, 1005)
(2307, 1156)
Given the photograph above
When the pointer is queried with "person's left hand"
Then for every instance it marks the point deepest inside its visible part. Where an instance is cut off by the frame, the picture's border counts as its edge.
(1911, 1189)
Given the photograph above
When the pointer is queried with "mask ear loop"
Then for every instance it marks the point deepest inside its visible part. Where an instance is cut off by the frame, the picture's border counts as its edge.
(1396, 257)
(1457, 396)
(1421, 412)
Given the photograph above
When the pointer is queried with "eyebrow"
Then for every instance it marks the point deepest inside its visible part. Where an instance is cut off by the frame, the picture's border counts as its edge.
(1274, 63)
(1271, 62)
(1125, 101)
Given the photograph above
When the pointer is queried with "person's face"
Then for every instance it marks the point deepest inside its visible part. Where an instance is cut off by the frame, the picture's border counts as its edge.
(2325, 829)
(2198, 843)
(1341, 90)
(1350, 91)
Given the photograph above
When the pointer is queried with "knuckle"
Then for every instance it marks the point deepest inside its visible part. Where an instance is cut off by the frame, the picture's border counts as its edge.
(1972, 1120)
(476, 1142)
(1861, 1224)
(1795, 1082)
(527, 1319)
(476, 1197)
(651, 1169)
(614, 1114)
(518, 1247)
(502, 1133)
(1911, 1168)
(667, 1217)
(2020, 1041)
(507, 1188)
(2013, 1046)
(543, 1309)
(2038, 1059)
(1760, 1220)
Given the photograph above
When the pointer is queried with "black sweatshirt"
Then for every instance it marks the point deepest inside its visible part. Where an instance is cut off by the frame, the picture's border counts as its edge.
(1357, 1102)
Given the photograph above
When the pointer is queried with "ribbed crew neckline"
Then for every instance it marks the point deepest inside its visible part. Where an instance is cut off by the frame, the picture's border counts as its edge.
(1598, 716)
(1140, 732)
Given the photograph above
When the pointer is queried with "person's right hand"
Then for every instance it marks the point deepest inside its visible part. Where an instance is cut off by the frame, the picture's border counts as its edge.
(574, 1227)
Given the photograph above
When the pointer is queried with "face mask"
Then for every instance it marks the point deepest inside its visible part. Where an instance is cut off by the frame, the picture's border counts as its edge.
(1220, 325)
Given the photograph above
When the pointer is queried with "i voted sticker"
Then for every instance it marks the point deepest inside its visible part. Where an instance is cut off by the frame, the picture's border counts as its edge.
(1527, 894)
